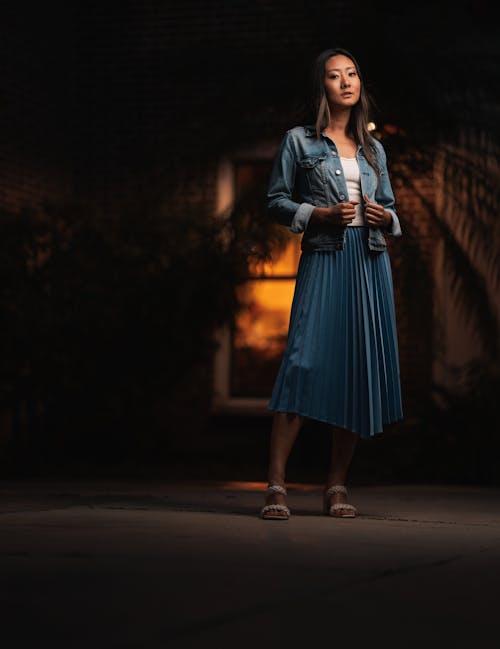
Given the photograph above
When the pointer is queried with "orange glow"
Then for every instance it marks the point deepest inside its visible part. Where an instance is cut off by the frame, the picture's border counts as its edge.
(285, 263)
(260, 486)
(263, 323)
(392, 129)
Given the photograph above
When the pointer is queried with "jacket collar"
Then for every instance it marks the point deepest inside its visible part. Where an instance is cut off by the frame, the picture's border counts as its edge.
(310, 131)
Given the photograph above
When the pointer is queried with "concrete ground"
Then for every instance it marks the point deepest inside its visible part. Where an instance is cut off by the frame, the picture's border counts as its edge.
(152, 565)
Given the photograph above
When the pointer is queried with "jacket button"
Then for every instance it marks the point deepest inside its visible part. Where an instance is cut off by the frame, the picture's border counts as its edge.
(337, 171)
(333, 153)
(342, 196)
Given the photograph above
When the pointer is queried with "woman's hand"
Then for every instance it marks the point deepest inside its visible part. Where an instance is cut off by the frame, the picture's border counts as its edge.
(376, 216)
(339, 214)
(342, 213)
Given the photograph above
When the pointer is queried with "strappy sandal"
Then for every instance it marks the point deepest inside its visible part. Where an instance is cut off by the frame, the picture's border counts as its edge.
(275, 512)
(336, 510)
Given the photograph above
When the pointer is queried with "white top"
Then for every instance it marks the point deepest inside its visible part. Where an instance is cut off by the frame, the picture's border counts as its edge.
(353, 181)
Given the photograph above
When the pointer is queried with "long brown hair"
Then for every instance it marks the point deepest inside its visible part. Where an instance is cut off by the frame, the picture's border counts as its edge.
(357, 126)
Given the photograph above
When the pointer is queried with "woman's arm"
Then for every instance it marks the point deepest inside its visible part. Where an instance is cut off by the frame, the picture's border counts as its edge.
(384, 195)
(280, 205)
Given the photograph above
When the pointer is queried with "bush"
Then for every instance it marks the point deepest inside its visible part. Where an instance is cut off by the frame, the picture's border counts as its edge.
(105, 315)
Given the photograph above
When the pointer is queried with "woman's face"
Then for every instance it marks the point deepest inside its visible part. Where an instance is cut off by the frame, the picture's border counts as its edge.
(342, 83)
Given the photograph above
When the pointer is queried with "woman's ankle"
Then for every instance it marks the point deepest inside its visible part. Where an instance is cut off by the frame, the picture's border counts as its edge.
(336, 479)
(276, 476)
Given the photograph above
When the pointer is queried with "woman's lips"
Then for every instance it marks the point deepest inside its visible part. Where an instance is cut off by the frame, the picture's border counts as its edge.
(346, 94)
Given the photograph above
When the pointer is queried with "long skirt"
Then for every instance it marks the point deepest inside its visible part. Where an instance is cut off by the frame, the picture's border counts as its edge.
(341, 363)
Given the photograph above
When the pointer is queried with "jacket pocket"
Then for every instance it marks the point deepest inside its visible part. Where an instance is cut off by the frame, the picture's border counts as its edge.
(312, 170)
(311, 161)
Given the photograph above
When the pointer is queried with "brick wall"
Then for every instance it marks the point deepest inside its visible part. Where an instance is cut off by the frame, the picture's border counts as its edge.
(414, 299)
(170, 85)
(36, 104)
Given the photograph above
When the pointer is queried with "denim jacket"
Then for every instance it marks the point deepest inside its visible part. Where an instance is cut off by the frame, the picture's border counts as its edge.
(307, 173)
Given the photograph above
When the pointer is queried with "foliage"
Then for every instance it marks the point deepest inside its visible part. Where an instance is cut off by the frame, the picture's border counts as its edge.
(105, 316)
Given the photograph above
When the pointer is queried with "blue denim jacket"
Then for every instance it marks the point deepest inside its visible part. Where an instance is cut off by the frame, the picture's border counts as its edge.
(307, 173)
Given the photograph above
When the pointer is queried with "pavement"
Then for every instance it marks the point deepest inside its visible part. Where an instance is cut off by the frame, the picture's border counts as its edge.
(150, 564)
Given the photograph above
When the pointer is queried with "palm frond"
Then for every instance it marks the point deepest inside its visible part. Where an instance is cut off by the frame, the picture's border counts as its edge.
(469, 286)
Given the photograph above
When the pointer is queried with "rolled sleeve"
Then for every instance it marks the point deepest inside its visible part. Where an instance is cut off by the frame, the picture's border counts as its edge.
(301, 218)
(394, 227)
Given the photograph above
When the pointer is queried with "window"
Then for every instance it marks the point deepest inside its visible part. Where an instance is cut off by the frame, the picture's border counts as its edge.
(251, 350)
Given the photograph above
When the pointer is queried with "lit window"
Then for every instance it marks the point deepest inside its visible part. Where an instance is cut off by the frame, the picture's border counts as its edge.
(259, 336)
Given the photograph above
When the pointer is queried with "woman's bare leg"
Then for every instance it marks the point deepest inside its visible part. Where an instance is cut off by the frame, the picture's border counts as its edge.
(343, 445)
(286, 427)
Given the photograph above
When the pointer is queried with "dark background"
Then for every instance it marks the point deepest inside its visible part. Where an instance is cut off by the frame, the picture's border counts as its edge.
(115, 273)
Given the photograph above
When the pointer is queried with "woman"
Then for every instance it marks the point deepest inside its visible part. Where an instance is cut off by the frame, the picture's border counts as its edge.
(330, 182)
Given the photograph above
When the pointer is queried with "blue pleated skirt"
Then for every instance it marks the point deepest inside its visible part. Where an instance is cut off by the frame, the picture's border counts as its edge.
(341, 363)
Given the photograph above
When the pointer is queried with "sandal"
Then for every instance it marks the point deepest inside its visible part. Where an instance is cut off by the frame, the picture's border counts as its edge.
(336, 510)
(275, 512)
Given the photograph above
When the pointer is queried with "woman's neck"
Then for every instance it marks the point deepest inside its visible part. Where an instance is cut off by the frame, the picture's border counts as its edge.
(339, 119)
